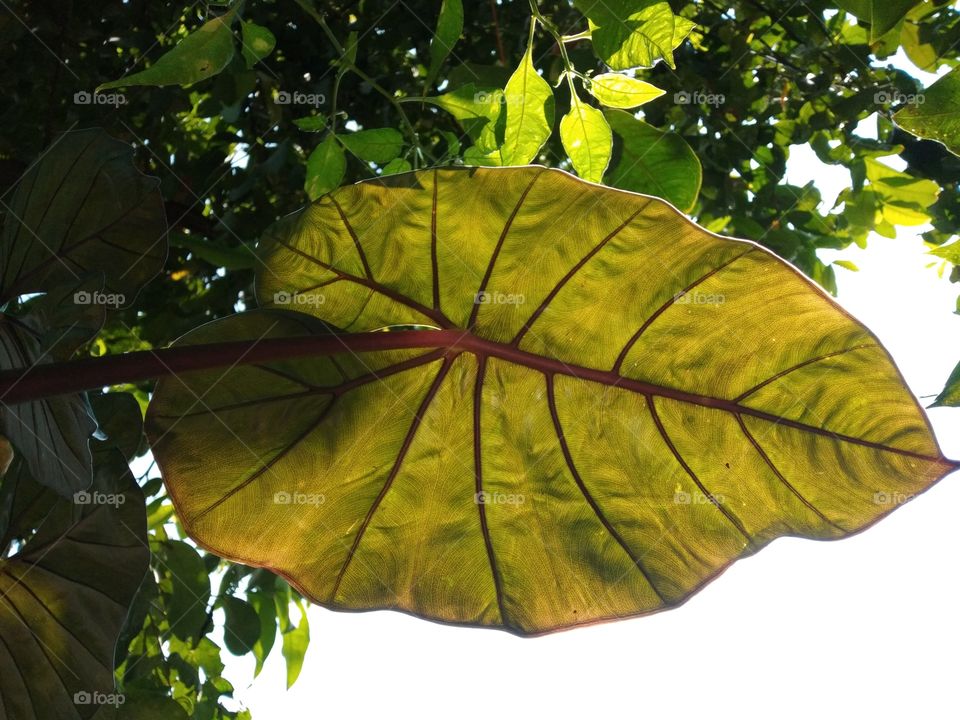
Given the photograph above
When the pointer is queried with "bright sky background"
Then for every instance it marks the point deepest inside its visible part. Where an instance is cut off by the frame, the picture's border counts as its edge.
(866, 627)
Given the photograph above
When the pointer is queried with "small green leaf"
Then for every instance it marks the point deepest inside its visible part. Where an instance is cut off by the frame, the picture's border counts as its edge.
(397, 165)
(847, 265)
(241, 625)
(311, 123)
(449, 28)
(326, 167)
(529, 106)
(653, 162)
(478, 110)
(587, 138)
(950, 253)
(201, 54)
(295, 641)
(882, 15)
(258, 42)
(950, 397)
(379, 146)
(619, 91)
(350, 48)
(938, 116)
(904, 198)
(266, 609)
(240, 257)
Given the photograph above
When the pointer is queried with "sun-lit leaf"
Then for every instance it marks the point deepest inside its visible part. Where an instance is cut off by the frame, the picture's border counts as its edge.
(904, 199)
(65, 597)
(950, 396)
(258, 42)
(881, 15)
(614, 407)
(619, 91)
(529, 105)
(326, 167)
(379, 145)
(311, 123)
(938, 116)
(479, 111)
(653, 162)
(295, 640)
(587, 139)
(449, 28)
(202, 54)
(634, 33)
(83, 208)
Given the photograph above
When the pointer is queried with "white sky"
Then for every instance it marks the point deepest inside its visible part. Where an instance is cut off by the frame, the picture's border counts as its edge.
(866, 627)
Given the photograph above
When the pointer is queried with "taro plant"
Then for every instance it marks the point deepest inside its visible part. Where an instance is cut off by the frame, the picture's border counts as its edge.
(501, 378)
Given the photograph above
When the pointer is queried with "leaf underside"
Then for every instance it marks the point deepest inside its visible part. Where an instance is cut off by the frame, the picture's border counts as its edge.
(640, 403)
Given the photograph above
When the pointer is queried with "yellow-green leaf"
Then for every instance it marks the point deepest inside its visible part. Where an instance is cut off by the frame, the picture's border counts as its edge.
(587, 139)
(529, 105)
(201, 54)
(613, 407)
(379, 145)
(881, 15)
(625, 36)
(619, 91)
(326, 167)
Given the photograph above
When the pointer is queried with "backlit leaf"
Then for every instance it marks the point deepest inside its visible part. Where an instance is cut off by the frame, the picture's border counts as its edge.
(326, 167)
(258, 42)
(587, 139)
(201, 54)
(619, 91)
(614, 407)
(882, 15)
(634, 33)
(938, 116)
(529, 106)
(653, 162)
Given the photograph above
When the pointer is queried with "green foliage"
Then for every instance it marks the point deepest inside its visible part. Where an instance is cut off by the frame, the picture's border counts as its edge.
(725, 91)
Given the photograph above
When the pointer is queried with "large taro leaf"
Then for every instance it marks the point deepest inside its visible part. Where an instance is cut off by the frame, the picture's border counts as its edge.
(83, 207)
(616, 406)
(63, 600)
(52, 435)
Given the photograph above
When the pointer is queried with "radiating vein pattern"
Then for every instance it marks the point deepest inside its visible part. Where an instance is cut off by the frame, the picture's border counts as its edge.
(621, 405)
